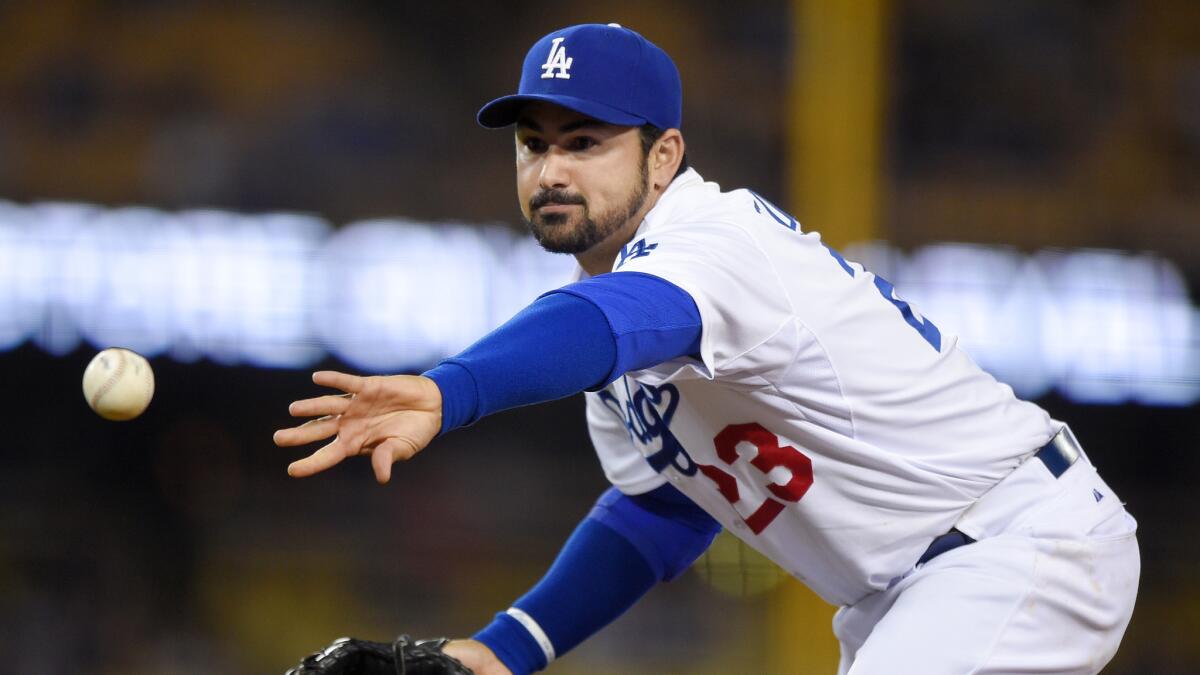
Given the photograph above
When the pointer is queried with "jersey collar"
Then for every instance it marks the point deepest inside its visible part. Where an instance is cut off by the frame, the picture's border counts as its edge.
(675, 192)
(670, 200)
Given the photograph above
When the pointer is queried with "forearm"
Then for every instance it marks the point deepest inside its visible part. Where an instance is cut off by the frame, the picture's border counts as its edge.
(579, 337)
(556, 347)
(622, 549)
(597, 576)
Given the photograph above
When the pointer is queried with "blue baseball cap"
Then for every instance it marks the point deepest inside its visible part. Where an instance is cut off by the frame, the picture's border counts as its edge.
(603, 71)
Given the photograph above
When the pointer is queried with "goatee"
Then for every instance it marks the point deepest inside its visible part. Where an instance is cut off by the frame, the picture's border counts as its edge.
(556, 234)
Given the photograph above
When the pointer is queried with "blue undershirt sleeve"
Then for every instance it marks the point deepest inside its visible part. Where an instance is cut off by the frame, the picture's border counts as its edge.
(666, 527)
(618, 553)
(652, 319)
(582, 336)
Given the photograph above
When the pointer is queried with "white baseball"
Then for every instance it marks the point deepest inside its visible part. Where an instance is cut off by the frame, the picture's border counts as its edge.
(118, 384)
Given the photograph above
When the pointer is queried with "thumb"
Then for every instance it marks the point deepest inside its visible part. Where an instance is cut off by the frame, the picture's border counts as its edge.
(381, 461)
(389, 452)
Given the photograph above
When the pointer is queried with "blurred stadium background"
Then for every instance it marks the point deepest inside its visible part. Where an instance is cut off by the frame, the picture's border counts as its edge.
(246, 191)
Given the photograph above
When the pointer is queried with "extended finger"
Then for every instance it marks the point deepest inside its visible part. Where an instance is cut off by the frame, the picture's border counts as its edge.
(317, 462)
(312, 430)
(333, 404)
(344, 381)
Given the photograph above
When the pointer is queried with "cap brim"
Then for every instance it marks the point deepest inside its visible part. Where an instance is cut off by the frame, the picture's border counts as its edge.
(505, 110)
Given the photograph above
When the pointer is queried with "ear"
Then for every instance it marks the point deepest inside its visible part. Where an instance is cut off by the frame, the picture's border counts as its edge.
(665, 156)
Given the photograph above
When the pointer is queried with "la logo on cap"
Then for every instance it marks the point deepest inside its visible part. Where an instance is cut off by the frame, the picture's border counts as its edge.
(557, 60)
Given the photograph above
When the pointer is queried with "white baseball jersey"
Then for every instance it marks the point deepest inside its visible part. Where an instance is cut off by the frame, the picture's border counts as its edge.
(824, 421)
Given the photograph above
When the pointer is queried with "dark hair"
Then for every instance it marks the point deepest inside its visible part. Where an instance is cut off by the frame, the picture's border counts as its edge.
(649, 134)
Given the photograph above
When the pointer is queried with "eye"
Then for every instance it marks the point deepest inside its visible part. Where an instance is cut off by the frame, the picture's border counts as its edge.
(534, 144)
(582, 143)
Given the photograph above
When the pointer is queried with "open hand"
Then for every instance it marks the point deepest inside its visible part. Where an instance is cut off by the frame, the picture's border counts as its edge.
(390, 418)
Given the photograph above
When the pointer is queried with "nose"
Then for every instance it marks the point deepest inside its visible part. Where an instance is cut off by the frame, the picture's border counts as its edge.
(555, 170)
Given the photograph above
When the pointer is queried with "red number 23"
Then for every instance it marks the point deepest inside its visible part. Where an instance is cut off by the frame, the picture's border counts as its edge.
(769, 455)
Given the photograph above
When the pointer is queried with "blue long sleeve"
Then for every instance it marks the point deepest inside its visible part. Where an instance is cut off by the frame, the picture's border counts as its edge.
(619, 552)
(579, 337)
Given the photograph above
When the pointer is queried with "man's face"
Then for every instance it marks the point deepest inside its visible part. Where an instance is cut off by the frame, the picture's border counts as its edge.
(578, 179)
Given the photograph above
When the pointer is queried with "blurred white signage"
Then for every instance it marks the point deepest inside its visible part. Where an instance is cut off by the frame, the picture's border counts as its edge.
(285, 290)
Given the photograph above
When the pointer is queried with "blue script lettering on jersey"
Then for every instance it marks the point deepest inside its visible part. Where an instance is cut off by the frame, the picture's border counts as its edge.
(923, 326)
(647, 414)
(761, 205)
(638, 249)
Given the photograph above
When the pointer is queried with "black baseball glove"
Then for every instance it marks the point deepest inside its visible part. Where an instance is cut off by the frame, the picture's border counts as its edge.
(348, 656)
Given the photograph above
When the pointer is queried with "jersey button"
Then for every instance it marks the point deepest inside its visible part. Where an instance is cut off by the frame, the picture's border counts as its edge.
(740, 525)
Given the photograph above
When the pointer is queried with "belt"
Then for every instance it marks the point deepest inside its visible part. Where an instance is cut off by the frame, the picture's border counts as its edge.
(1058, 455)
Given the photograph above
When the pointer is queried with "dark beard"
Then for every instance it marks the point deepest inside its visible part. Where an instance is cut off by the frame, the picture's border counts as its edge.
(553, 233)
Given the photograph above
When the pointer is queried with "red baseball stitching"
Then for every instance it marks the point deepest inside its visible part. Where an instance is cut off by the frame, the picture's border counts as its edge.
(112, 380)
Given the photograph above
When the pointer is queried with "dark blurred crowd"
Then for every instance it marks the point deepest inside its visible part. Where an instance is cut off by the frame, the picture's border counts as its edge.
(348, 109)
(1032, 123)
(1048, 123)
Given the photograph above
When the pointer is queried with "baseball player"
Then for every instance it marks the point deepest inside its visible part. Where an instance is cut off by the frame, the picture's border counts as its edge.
(742, 375)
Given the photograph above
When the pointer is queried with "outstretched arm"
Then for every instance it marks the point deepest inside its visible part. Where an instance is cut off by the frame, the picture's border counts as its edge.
(579, 337)
(625, 546)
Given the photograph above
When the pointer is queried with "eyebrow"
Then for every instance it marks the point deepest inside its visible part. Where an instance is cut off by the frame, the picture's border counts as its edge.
(528, 123)
(583, 123)
(575, 125)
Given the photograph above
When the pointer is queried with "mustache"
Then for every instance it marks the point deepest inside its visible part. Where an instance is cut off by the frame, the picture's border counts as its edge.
(544, 197)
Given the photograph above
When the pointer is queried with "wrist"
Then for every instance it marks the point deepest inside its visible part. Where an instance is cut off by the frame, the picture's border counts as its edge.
(514, 645)
(435, 398)
(458, 393)
(477, 656)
